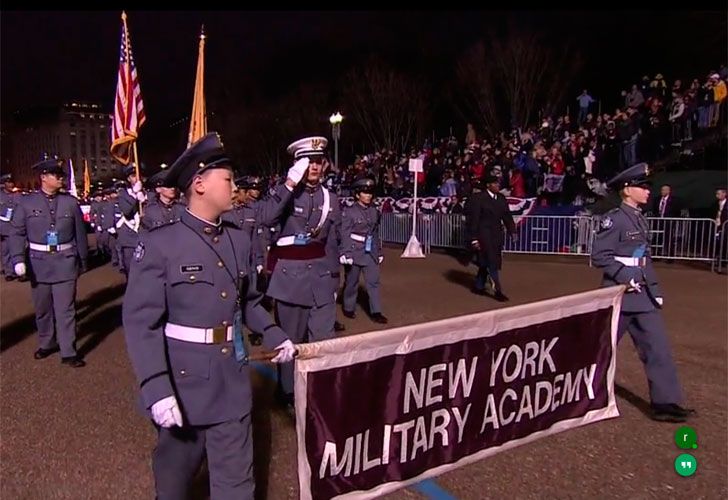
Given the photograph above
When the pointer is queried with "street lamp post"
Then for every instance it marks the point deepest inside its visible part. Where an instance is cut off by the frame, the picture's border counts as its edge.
(335, 120)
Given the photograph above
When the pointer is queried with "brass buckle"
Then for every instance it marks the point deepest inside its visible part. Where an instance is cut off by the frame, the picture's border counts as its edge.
(52, 248)
(219, 335)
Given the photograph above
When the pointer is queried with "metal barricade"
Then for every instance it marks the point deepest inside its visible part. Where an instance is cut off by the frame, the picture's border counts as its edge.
(673, 238)
(670, 238)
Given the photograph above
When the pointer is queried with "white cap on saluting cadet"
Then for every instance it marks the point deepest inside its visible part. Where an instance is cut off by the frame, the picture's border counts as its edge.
(307, 147)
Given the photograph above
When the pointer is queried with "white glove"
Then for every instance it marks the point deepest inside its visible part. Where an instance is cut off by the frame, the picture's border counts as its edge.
(259, 268)
(344, 260)
(295, 173)
(165, 412)
(286, 351)
(380, 259)
(112, 230)
(19, 269)
(141, 196)
(634, 286)
(659, 301)
(137, 187)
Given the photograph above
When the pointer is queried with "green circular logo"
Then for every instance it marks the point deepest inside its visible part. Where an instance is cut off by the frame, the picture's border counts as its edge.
(686, 465)
(686, 438)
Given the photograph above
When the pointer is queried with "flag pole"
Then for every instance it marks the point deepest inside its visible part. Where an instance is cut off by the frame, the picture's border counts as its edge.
(136, 154)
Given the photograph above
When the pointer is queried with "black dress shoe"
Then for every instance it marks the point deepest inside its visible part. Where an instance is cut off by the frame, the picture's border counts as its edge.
(670, 413)
(501, 297)
(43, 353)
(350, 314)
(380, 318)
(9, 277)
(73, 362)
(339, 327)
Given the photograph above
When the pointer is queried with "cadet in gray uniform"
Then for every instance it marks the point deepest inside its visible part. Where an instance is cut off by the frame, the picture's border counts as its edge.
(8, 200)
(301, 282)
(51, 223)
(164, 208)
(361, 249)
(110, 220)
(95, 214)
(245, 214)
(130, 199)
(622, 250)
(190, 290)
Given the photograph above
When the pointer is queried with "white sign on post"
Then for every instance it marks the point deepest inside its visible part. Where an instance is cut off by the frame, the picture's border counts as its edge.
(413, 248)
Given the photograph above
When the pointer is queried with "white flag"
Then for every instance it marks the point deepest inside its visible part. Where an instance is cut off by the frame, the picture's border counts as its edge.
(72, 180)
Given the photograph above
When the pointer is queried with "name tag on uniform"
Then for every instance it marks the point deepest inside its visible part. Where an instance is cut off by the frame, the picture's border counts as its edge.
(301, 239)
(368, 244)
(633, 233)
(298, 210)
(191, 268)
(52, 238)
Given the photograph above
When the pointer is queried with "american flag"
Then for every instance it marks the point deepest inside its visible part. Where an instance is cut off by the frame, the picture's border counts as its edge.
(128, 106)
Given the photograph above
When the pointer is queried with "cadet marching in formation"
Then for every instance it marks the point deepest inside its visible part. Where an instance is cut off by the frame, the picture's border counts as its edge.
(194, 274)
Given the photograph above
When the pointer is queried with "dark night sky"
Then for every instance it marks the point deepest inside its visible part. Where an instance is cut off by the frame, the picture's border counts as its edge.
(52, 57)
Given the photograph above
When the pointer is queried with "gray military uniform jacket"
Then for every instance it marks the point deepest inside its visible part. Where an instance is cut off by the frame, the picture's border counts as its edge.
(35, 215)
(357, 224)
(188, 273)
(304, 282)
(621, 250)
(246, 216)
(129, 206)
(158, 214)
(8, 201)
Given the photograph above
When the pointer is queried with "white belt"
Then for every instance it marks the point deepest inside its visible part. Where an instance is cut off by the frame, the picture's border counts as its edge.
(358, 237)
(50, 248)
(198, 335)
(631, 261)
(285, 241)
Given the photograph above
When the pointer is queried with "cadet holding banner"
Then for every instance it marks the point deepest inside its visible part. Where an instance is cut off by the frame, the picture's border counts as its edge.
(622, 250)
(191, 288)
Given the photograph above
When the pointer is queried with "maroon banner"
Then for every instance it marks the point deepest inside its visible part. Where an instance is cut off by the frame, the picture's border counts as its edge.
(373, 426)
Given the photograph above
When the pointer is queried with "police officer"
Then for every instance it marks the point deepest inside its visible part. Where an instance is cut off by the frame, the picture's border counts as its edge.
(130, 199)
(164, 207)
(301, 282)
(361, 249)
(190, 289)
(51, 223)
(486, 213)
(8, 201)
(622, 250)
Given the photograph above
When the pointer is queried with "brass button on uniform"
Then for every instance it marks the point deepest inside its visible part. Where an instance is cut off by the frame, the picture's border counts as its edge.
(192, 277)
(215, 239)
(223, 295)
(208, 230)
(224, 323)
(225, 350)
(220, 264)
(182, 372)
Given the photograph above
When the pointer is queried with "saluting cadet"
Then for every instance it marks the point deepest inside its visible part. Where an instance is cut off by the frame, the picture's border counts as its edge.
(164, 208)
(191, 288)
(361, 249)
(622, 250)
(51, 224)
(301, 281)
